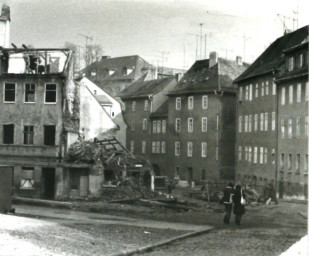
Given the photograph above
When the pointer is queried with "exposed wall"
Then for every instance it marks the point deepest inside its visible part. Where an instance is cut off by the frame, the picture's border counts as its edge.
(5, 33)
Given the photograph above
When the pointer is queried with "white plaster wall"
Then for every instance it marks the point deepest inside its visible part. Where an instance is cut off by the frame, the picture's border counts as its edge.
(4, 33)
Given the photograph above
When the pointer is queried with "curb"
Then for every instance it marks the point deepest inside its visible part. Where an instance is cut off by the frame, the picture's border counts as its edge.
(162, 243)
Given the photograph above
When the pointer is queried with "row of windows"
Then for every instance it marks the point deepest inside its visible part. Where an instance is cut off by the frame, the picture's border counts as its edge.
(158, 147)
(9, 93)
(294, 62)
(190, 124)
(291, 93)
(190, 149)
(49, 135)
(133, 108)
(257, 155)
(294, 162)
(191, 102)
(259, 90)
(287, 127)
(159, 126)
(260, 122)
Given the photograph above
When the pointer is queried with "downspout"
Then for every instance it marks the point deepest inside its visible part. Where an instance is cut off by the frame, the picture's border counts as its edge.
(277, 136)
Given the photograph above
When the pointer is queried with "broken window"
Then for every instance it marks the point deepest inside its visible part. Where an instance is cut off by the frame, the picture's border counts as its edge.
(29, 92)
(49, 135)
(27, 178)
(28, 134)
(50, 93)
(9, 92)
(8, 134)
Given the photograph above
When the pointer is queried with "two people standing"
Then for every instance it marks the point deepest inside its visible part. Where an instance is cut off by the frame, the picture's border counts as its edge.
(233, 197)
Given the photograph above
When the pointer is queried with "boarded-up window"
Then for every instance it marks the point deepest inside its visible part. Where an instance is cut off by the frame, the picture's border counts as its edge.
(50, 93)
(49, 135)
(27, 178)
(8, 134)
(9, 92)
(29, 92)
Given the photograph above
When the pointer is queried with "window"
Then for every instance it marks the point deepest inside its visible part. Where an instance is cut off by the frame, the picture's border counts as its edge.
(178, 103)
(50, 93)
(274, 88)
(298, 163)
(265, 155)
(189, 149)
(290, 128)
(158, 126)
(9, 92)
(250, 123)
(177, 148)
(256, 122)
(204, 124)
(153, 147)
(143, 147)
(297, 131)
(154, 127)
(282, 129)
(133, 125)
(204, 149)
(283, 96)
(250, 92)
(306, 125)
(255, 155)
(298, 93)
(266, 88)
(145, 124)
(307, 91)
(28, 134)
(282, 161)
(290, 162)
(249, 154)
(133, 105)
(239, 123)
(301, 60)
(256, 90)
(262, 122)
(290, 94)
(290, 63)
(190, 102)
(8, 134)
(49, 135)
(27, 178)
(262, 89)
(306, 164)
(239, 153)
(246, 123)
(190, 124)
(132, 146)
(273, 156)
(246, 153)
(158, 147)
(177, 124)
(273, 121)
(218, 122)
(261, 155)
(247, 92)
(146, 104)
(163, 147)
(204, 102)
(163, 126)
(29, 93)
(266, 121)
(240, 94)
(177, 172)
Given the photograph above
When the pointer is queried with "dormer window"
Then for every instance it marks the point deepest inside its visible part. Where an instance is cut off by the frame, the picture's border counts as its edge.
(93, 73)
(301, 60)
(290, 63)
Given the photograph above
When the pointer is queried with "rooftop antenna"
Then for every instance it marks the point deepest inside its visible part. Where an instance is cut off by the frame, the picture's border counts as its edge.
(201, 41)
(87, 38)
(283, 19)
(226, 51)
(245, 38)
(196, 49)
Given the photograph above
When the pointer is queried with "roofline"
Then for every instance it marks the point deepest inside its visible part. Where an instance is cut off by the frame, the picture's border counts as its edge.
(22, 75)
(208, 91)
(32, 49)
(246, 78)
(281, 80)
(296, 47)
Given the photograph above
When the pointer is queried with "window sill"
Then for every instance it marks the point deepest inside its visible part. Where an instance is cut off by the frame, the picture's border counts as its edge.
(50, 103)
(26, 188)
(9, 102)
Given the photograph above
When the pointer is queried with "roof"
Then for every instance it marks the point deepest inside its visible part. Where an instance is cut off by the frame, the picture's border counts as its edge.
(115, 68)
(273, 56)
(5, 13)
(161, 111)
(142, 88)
(102, 99)
(201, 77)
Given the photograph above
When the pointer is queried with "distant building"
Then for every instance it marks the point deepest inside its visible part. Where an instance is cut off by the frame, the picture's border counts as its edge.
(5, 20)
(260, 149)
(165, 71)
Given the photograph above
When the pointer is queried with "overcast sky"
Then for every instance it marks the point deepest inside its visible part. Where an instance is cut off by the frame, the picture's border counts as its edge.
(150, 27)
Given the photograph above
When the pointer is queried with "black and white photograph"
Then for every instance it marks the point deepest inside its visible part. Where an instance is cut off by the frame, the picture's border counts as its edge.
(154, 127)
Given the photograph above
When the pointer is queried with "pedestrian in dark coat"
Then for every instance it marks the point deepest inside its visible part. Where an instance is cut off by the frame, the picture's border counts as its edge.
(228, 202)
(239, 208)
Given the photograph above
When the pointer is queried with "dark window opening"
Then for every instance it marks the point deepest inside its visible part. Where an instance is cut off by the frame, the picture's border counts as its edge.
(49, 135)
(9, 92)
(30, 93)
(27, 178)
(8, 134)
(28, 135)
(50, 93)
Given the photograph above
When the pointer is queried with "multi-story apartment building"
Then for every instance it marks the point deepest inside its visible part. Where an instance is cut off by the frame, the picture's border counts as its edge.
(293, 97)
(201, 121)
(144, 100)
(257, 113)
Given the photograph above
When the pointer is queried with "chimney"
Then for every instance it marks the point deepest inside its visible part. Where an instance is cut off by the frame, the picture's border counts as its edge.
(213, 59)
(105, 57)
(5, 20)
(239, 60)
(178, 76)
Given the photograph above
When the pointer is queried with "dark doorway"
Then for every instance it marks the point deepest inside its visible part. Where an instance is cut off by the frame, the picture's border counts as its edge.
(190, 175)
(109, 175)
(48, 183)
(156, 169)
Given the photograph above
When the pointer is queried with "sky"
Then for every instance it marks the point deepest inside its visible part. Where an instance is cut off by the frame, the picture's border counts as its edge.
(157, 30)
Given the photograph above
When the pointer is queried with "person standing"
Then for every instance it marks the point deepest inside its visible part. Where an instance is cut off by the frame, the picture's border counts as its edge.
(228, 202)
(239, 201)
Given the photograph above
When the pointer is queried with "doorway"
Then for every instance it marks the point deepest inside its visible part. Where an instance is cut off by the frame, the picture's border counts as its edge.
(48, 183)
(190, 175)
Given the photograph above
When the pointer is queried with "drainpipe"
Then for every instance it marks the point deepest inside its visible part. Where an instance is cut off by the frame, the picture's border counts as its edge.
(277, 137)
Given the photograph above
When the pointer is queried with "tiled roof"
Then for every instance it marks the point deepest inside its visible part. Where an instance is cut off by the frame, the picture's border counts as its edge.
(202, 78)
(142, 88)
(273, 56)
(161, 111)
